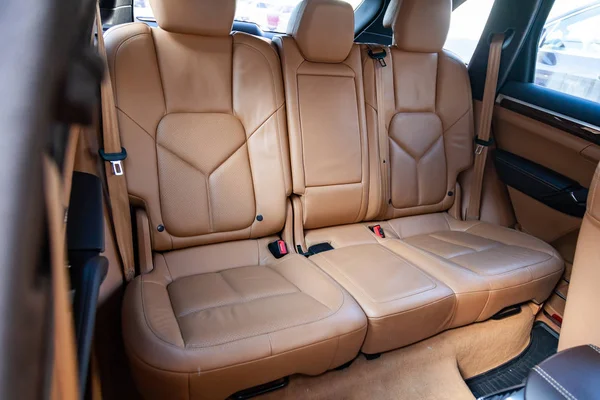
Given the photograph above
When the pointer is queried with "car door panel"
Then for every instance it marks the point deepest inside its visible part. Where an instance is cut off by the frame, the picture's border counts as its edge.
(541, 157)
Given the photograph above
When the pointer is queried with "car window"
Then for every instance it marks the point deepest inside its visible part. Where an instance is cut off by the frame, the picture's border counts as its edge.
(466, 27)
(272, 15)
(568, 58)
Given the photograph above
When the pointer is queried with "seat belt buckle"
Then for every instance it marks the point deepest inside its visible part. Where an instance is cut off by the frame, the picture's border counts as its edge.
(378, 231)
(378, 55)
(481, 144)
(115, 160)
(278, 248)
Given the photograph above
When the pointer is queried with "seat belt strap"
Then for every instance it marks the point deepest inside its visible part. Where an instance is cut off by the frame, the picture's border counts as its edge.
(379, 55)
(64, 375)
(482, 140)
(113, 155)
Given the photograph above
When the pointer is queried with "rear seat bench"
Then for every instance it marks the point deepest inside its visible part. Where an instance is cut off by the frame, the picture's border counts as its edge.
(430, 272)
(205, 119)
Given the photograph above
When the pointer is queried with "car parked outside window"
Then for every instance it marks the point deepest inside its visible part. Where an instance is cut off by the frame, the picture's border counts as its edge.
(569, 49)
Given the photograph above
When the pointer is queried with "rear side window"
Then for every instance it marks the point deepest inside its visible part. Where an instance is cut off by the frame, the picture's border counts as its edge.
(568, 58)
(466, 27)
(270, 15)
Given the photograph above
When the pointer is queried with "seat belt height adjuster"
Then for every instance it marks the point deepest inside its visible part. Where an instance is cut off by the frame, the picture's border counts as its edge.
(115, 159)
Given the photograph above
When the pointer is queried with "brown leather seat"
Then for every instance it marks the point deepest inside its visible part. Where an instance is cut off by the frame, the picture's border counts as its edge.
(329, 150)
(429, 123)
(432, 271)
(201, 114)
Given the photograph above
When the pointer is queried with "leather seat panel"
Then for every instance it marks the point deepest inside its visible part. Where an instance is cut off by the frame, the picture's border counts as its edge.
(364, 266)
(403, 304)
(504, 266)
(177, 93)
(215, 319)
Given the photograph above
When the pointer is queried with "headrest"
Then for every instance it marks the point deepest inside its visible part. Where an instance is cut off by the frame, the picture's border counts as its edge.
(196, 17)
(323, 29)
(419, 25)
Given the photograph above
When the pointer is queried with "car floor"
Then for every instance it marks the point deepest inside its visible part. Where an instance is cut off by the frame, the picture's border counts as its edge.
(434, 368)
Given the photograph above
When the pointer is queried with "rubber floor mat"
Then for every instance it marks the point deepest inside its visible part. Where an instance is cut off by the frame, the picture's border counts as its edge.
(544, 343)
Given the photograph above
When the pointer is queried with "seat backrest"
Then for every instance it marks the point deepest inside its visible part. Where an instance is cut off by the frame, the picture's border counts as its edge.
(326, 116)
(202, 117)
(428, 114)
(580, 324)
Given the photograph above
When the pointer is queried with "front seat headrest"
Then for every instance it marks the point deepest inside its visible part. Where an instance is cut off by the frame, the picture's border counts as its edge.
(196, 17)
(323, 29)
(419, 25)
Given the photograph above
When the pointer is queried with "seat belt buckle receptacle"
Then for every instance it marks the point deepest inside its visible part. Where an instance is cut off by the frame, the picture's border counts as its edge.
(378, 231)
(278, 248)
(115, 159)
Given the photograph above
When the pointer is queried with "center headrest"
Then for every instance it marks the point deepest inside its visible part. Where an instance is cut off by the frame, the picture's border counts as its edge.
(196, 17)
(323, 29)
(419, 25)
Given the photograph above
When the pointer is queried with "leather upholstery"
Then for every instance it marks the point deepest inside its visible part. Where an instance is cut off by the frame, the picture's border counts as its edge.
(202, 114)
(232, 310)
(187, 109)
(196, 17)
(489, 267)
(571, 374)
(429, 120)
(328, 135)
(203, 120)
(579, 324)
(419, 26)
(403, 303)
(323, 29)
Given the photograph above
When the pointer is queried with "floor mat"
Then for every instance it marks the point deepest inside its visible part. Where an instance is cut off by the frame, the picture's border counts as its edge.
(544, 343)
(432, 369)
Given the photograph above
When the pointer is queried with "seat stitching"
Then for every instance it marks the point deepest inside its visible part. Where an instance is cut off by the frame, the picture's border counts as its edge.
(509, 244)
(566, 394)
(413, 309)
(243, 301)
(246, 362)
(282, 329)
(301, 291)
(149, 325)
(457, 121)
(432, 286)
(268, 65)
(135, 122)
(446, 240)
(114, 61)
(265, 121)
(182, 159)
(430, 146)
(513, 270)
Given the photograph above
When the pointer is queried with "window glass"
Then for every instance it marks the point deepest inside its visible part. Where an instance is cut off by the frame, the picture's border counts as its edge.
(269, 15)
(466, 27)
(568, 58)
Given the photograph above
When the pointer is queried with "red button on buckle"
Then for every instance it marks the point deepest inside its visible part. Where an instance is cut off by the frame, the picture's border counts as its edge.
(282, 247)
(377, 230)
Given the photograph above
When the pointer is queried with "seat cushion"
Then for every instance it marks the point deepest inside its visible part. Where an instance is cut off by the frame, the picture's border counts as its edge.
(403, 303)
(231, 311)
(510, 267)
